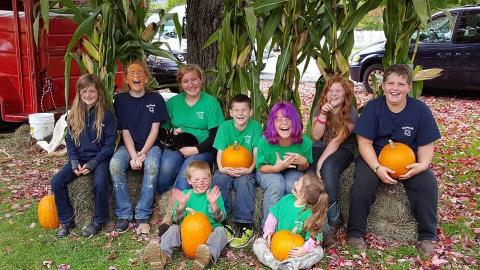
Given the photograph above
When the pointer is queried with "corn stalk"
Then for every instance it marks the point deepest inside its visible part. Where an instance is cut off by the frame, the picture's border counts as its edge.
(109, 32)
(234, 72)
(401, 18)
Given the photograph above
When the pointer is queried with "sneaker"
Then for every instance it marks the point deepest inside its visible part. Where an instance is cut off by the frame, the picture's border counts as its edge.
(202, 257)
(156, 257)
(243, 239)
(328, 241)
(357, 243)
(426, 247)
(64, 230)
(229, 232)
(91, 230)
(143, 228)
(122, 225)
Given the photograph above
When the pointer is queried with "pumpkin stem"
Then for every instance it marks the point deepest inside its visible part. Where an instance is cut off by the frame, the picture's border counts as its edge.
(392, 145)
(190, 210)
(235, 145)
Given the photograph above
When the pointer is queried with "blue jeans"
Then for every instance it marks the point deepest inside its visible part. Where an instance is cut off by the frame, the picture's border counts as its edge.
(276, 185)
(65, 176)
(118, 167)
(173, 166)
(332, 169)
(244, 186)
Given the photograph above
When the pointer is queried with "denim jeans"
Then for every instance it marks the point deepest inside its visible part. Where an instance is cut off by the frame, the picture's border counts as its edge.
(276, 185)
(422, 193)
(119, 165)
(65, 176)
(332, 169)
(173, 166)
(244, 186)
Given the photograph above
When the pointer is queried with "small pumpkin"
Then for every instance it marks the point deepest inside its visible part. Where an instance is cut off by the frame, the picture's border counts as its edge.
(283, 241)
(194, 231)
(47, 212)
(236, 156)
(396, 156)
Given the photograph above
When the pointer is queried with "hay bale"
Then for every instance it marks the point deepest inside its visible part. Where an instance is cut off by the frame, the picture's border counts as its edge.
(21, 138)
(81, 196)
(390, 216)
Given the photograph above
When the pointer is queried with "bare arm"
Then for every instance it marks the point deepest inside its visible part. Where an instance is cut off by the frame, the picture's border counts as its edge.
(128, 141)
(365, 147)
(318, 128)
(152, 137)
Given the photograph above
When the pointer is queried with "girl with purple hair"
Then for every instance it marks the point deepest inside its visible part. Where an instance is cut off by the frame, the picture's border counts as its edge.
(283, 154)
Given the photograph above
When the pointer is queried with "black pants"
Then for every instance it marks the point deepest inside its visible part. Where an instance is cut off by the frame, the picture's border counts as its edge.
(422, 192)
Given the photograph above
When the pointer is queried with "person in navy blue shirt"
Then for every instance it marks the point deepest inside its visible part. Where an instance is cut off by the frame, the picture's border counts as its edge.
(401, 119)
(90, 144)
(139, 114)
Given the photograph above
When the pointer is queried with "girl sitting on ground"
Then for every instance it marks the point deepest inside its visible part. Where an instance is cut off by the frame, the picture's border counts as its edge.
(302, 211)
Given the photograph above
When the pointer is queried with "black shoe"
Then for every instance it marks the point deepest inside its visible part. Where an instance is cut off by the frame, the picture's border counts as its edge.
(91, 230)
(162, 229)
(122, 225)
(65, 230)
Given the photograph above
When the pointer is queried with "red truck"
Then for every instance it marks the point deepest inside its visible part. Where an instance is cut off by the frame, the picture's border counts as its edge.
(32, 76)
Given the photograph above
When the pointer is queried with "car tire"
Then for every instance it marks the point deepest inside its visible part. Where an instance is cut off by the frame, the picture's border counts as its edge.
(367, 76)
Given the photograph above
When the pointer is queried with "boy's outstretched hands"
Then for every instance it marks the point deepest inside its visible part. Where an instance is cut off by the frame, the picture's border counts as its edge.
(181, 198)
(212, 196)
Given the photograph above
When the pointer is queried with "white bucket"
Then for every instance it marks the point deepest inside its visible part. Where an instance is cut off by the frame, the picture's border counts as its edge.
(41, 125)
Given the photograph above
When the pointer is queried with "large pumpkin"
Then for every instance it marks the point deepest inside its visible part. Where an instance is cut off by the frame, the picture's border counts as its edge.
(282, 242)
(396, 156)
(236, 156)
(194, 230)
(47, 212)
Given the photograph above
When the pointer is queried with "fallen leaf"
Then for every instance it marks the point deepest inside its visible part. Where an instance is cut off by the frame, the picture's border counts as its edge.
(47, 264)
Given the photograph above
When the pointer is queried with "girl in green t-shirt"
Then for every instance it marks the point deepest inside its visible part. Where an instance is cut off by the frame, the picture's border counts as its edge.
(302, 211)
(283, 154)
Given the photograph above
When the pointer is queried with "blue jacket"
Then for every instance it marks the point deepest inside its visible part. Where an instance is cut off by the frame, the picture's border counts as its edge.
(89, 151)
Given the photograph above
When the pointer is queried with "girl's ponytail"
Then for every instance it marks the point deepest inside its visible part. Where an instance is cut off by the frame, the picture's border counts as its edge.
(317, 200)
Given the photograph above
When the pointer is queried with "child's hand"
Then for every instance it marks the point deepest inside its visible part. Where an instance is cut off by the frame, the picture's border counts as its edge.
(136, 164)
(243, 171)
(413, 169)
(383, 174)
(188, 151)
(230, 171)
(297, 252)
(177, 131)
(327, 107)
(141, 156)
(180, 197)
(269, 238)
(212, 196)
(297, 158)
(285, 163)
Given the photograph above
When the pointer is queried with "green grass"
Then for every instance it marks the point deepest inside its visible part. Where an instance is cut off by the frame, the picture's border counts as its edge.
(23, 247)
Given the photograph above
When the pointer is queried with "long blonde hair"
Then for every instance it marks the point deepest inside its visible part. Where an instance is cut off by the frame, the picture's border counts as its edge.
(76, 117)
(317, 200)
(338, 122)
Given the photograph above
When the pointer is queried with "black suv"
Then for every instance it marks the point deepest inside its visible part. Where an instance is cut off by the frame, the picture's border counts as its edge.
(165, 70)
(451, 42)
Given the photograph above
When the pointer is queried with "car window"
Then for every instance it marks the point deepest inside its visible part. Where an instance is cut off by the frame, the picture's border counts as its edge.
(439, 30)
(469, 28)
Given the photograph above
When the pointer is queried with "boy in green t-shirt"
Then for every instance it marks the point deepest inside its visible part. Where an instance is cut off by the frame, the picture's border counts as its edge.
(246, 132)
(200, 198)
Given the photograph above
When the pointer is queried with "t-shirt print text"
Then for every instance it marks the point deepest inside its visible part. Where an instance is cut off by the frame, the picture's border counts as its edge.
(407, 131)
(151, 108)
(248, 139)
(200, 115)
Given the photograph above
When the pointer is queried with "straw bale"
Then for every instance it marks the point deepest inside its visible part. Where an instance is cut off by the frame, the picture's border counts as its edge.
(390, 216)
(81, 196)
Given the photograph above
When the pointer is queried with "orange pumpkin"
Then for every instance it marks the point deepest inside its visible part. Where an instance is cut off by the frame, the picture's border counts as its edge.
(194, 231)
(396, 156)
(236, 156)
(47, 212)
(282, 242)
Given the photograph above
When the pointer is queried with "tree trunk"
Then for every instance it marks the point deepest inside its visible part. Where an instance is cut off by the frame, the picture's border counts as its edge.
(203, 18)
